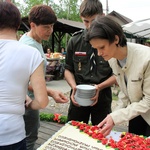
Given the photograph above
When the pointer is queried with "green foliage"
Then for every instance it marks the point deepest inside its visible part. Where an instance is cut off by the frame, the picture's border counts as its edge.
(68, 9)
(115, 92)
(47, 44)
(53, 118)
(114, 96)
(63, 119)
(29, 4)
(46, 117)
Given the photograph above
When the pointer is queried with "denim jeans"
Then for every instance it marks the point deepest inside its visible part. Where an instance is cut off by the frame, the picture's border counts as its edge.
(32, 124)
(17, 146)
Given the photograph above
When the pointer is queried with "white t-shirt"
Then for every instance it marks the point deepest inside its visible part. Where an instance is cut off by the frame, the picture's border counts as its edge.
(17, 62)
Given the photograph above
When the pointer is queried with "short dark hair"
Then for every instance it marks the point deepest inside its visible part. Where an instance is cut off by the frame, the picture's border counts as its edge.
(42, 15)
(104, 27)
(10, 16)
(90, 8)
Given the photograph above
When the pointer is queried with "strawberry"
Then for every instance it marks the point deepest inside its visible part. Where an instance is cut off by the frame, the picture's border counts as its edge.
(128, 141)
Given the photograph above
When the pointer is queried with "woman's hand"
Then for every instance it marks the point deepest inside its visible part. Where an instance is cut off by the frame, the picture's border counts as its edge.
(58, 96)
(28, 100)
(106, 125)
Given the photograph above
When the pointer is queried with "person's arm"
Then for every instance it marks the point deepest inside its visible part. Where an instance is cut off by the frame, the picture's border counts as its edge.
(70, 78)
(107, 83)
(38, 85)
(71, 81)
(58, 96)
(69, 69)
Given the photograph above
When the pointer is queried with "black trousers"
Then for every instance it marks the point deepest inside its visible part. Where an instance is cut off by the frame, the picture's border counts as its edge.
(139, 126)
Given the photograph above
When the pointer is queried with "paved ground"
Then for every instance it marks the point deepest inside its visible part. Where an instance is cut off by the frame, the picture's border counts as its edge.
(60, 85)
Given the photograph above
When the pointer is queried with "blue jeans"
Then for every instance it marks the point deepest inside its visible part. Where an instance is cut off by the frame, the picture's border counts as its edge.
(32, 124)
(17, 146)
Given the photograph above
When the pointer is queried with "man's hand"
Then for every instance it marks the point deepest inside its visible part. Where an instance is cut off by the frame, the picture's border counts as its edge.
(73, 99)
(106, 125)
(95, 98)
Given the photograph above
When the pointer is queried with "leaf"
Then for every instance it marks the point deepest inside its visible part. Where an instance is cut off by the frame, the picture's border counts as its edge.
(50, 118)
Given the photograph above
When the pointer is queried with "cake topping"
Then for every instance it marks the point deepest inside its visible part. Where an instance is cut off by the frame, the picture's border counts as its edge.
(127, 141)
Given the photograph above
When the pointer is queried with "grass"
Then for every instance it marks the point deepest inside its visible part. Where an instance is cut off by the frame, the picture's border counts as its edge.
(115, 92)
(114, 96)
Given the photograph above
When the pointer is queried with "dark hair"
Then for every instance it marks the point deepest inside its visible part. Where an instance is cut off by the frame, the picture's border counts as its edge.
(9, 16)
(90, 8)
(104, 27)
(42, 15)
(63, 48)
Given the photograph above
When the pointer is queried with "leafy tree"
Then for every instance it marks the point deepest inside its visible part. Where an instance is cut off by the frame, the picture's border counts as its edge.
(68, 9)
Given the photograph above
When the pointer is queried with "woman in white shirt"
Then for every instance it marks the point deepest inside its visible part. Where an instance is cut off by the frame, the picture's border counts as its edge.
(19, 64)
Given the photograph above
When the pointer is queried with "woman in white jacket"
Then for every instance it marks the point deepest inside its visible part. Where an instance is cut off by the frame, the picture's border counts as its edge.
(131, 66)
(19, 64)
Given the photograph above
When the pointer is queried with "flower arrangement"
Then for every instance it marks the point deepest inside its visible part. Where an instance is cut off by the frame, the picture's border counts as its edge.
(59, 118)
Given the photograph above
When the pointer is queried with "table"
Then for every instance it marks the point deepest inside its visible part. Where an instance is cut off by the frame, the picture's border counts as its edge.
(55, 68)
(52, 59)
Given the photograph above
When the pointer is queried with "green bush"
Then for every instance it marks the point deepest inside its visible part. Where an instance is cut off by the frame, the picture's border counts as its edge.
(53, 118)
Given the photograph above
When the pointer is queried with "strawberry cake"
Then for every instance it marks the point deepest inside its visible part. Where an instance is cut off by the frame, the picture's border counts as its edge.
(80, 136)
